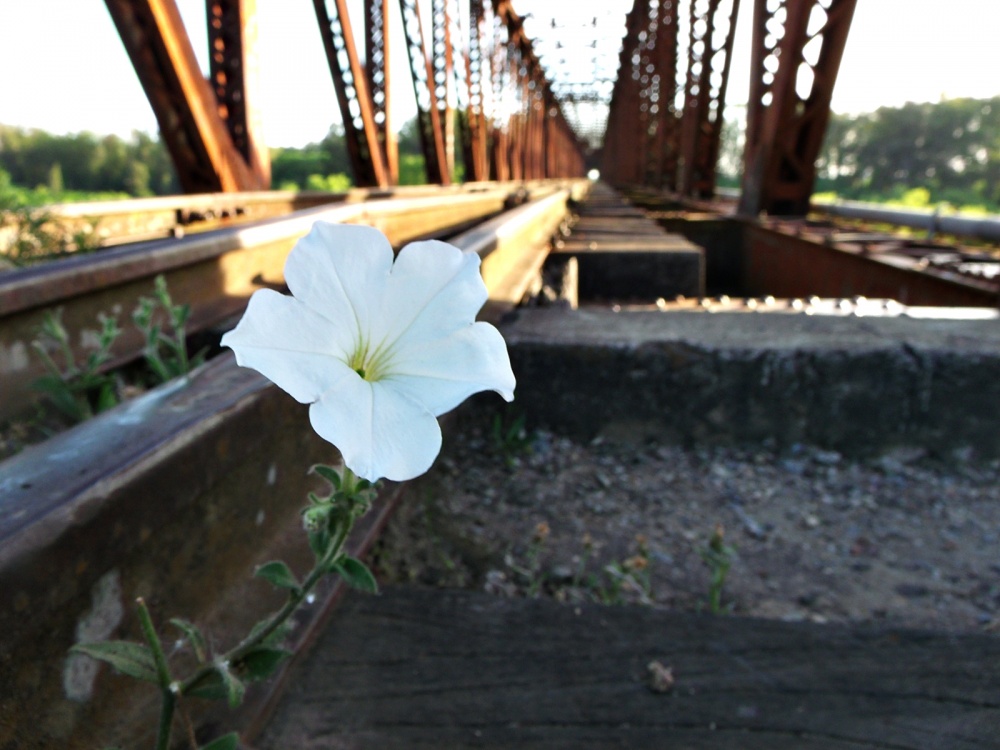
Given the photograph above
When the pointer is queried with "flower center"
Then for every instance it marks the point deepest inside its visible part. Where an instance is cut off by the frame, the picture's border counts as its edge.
(370, 364)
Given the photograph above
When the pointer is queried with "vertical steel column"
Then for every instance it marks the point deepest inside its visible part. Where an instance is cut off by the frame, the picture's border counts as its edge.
(377, 50)
(619, 162)
(428, 115)
(666, 144)
(791, 88)
(232, 44)
(353, 96)
(186, 109)
(500, 162)
(516, 122)
(443, 59)
(642, 143)
(705, 93)
(477, 75)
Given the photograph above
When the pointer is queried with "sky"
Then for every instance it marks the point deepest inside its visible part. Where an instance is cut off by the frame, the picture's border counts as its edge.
(63, 67)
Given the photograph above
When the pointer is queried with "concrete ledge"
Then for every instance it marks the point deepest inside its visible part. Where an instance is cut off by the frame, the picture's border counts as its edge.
(636, 267)
(855, 385)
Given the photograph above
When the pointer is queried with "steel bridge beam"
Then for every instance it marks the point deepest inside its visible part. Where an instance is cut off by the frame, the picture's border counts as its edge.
(211, 136)
(478, 79)
(710, 46)
(377, 56)
(368, 154)
(791, 87)
(429, 104)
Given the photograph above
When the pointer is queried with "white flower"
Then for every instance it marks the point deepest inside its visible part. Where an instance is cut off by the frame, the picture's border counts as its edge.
(378, 348)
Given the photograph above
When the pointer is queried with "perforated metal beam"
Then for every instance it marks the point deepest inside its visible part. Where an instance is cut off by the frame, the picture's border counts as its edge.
(712, 27)
(377, 56)
(429, 119)
(797, 49)
(194, 125)
(620, 162)
(232, 44)
(361, 134)
(475, 140)
(642, 143)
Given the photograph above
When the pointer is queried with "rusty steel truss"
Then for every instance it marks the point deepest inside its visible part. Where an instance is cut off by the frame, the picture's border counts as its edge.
(797, 48)
(660, 138)
(209, 127)
(509, 123)
(661, 132)
(485, 101)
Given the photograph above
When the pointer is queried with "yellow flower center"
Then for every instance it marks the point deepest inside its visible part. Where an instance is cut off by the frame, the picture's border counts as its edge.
(371, 365)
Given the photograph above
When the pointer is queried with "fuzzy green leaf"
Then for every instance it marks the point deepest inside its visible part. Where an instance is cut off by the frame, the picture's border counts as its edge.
(328, 473)
(229, 741)
(262, 662)
(356, 574)
(234, 688)
(132, 659)
(319, 541)
(278, 574)
(211, 686)
(193, 635)
(107, 398)
(219, 684)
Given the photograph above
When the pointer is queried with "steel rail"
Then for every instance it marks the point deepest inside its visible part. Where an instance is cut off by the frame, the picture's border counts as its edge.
(116, 222)
(214, 271)
(982, 228)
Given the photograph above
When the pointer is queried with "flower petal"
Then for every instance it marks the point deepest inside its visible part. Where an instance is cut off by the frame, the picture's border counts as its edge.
(340, 270)
(434, 289)
(442, 374)
(380, 431)
(289, 344)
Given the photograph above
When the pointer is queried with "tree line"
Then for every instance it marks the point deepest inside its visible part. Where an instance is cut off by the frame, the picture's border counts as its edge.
(39, 167)
(921, 154)
(946, 151)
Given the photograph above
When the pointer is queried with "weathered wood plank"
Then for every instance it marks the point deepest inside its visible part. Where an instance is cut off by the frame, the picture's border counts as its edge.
(419, 668)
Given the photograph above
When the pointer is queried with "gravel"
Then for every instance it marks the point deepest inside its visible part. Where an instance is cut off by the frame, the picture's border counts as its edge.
(810, 535)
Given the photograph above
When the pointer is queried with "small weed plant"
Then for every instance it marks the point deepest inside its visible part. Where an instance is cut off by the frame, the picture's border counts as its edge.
(510, 436)
(166, 345)
(718, 556)
(614, 582)
(78, 390)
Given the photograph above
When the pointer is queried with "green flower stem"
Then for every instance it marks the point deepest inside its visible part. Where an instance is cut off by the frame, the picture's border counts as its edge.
(163, 673)
(295, 598)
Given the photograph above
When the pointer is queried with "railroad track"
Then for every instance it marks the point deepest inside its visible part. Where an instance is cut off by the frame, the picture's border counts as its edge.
(832, 256)
(112, 223)
(216, 269)
(209, 473)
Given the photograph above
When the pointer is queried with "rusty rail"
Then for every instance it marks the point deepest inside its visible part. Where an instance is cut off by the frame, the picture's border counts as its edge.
(214, 271)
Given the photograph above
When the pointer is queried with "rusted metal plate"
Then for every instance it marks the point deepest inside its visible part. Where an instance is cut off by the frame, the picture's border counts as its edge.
(790, 100)
(783, 264)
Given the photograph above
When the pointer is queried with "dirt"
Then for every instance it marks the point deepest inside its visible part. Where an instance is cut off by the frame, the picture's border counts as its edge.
(809, 535)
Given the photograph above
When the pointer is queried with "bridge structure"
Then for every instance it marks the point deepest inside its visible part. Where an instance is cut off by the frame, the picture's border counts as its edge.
(509, 106)
(643, 306)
